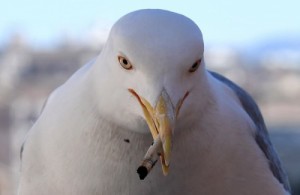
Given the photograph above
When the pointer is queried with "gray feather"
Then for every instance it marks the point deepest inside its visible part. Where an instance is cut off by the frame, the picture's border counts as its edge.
(262, 136)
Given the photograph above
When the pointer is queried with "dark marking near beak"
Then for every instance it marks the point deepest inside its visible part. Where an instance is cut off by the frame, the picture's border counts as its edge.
(127, 140)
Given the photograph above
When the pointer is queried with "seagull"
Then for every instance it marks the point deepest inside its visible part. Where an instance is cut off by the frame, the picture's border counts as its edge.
(149, 85)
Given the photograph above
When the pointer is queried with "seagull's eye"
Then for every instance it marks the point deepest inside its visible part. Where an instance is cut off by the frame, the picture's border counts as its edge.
(195, 66)
(124, 63)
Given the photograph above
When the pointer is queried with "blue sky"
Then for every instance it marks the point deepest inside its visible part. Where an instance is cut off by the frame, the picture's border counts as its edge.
(232, 22)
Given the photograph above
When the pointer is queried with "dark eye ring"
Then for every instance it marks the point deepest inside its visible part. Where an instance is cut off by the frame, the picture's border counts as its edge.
(124, 63)
(195, 66)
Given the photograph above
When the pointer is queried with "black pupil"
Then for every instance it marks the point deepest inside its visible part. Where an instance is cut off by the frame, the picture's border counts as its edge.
(125, 61)
(195, 65)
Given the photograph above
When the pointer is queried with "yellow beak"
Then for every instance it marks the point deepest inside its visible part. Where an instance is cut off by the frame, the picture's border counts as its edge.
(161, 121)
(165, 117)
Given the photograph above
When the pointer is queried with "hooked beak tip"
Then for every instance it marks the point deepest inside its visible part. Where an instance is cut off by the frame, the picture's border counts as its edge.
(161, 121)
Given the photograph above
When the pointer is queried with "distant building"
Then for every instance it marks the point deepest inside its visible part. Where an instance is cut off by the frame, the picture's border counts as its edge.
(281, 59)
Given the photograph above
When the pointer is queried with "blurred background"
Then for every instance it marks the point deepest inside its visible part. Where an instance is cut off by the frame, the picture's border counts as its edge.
(254, 43)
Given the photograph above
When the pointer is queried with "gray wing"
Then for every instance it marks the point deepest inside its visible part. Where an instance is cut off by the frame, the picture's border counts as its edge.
(262, 136)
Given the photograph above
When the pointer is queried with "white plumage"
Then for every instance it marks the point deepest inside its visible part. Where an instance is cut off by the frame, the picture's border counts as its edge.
(220, 144)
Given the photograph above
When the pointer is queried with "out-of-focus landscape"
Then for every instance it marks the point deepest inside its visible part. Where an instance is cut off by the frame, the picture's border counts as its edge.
(270, 71)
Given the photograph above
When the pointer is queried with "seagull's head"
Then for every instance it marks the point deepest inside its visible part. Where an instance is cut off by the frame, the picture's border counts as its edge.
(148, 71)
